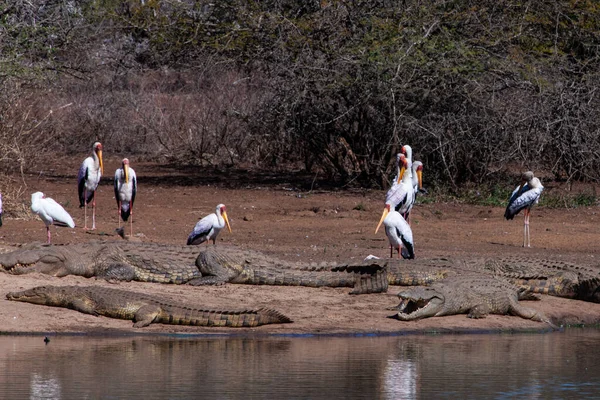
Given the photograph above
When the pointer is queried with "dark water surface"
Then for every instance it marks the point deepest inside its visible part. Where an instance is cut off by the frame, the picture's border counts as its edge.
(559, 365)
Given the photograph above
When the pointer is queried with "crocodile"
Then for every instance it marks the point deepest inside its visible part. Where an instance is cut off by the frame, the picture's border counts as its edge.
(538, 275)
(141, 308)
(150, 262)
(475, 295)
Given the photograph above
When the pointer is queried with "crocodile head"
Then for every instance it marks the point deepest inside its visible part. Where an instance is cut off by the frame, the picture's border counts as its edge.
(37, 295)
(45, 259)
(419, 302)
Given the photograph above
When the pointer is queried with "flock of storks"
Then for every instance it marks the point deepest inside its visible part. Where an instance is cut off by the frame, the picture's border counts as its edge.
(399, 201)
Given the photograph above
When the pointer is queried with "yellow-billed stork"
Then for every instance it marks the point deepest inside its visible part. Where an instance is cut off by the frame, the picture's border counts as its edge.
(208, 228)
(88, 178)
(400, 194)
(399, 234)
(125, 184)
(524, 197)
(50, 212)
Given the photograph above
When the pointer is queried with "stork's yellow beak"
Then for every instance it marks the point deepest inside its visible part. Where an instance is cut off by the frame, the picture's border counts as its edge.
(224, 214)
(126, 172)
(420, 178)
(401, 174)
(99, 152)
(386, 211)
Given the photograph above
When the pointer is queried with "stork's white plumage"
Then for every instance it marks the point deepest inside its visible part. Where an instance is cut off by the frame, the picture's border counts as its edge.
(417, 177)
(407, 151)
(417, 185)
(524, 197)
(125, 184)
(88, 178)
(50, 212)
(399, 194)
(208, 228)
(400, 235)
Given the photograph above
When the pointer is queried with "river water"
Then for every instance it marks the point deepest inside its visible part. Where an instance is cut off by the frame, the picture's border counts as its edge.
(559, 365)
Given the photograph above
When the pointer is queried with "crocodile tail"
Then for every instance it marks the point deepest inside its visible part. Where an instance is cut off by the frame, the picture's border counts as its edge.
(270, 316)
(249, 318)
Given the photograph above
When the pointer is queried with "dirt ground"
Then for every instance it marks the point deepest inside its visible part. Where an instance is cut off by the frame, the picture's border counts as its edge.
(281, 217)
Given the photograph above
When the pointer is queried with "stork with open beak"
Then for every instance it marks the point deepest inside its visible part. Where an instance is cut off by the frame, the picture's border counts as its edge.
(88, 178)
(50, 212)
(208, 228)
(125, 184)
(524, 197)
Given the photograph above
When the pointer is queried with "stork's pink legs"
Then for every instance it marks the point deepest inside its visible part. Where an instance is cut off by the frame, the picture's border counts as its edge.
(526, 237)
(93, 210)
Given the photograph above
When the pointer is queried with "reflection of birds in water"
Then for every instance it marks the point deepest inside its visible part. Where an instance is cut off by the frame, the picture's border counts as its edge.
(125, 184)
(524, 197)
(88, 178)
(400, 377)
(50, 212)
(46, 339)
(208, 228)
(44, 388)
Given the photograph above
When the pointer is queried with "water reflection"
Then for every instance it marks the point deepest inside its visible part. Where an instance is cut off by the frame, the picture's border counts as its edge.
(558, 365)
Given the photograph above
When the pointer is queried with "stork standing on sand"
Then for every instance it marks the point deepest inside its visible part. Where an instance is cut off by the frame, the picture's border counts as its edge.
(400, 235)
(125, 190)
(400, 194)
(208, 228)
(88, 178)
(524, 197)
(50, 212)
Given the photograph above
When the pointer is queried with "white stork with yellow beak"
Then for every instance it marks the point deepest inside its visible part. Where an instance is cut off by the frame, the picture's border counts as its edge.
(524, 197)
(50, 212)
(401, 193)
(125, 184)
(208, 228)
(88, 178)
(399, 234)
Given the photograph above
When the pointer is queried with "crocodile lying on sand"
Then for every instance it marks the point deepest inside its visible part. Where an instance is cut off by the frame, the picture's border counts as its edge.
(552, 277)
(150, 262)
(141, 308)
(476, 296)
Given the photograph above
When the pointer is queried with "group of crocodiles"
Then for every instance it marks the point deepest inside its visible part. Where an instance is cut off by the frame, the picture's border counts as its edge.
(443, 287)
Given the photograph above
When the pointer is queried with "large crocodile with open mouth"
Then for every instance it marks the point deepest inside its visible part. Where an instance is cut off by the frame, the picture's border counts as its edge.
(143, 309)
(474, 295)
(150, 262)
(538, 275)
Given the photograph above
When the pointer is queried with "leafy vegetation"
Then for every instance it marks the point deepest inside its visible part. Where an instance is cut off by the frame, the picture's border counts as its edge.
(480, 89)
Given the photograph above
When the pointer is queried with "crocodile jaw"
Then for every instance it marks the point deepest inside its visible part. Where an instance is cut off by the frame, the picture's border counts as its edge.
(31, 260)
(413, 307)
(34, 296)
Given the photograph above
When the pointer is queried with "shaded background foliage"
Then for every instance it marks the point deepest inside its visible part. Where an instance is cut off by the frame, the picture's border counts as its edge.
(478, 88)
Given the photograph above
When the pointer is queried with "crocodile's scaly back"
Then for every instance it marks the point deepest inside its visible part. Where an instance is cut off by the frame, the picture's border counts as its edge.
(147, 262)
(143, 309)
